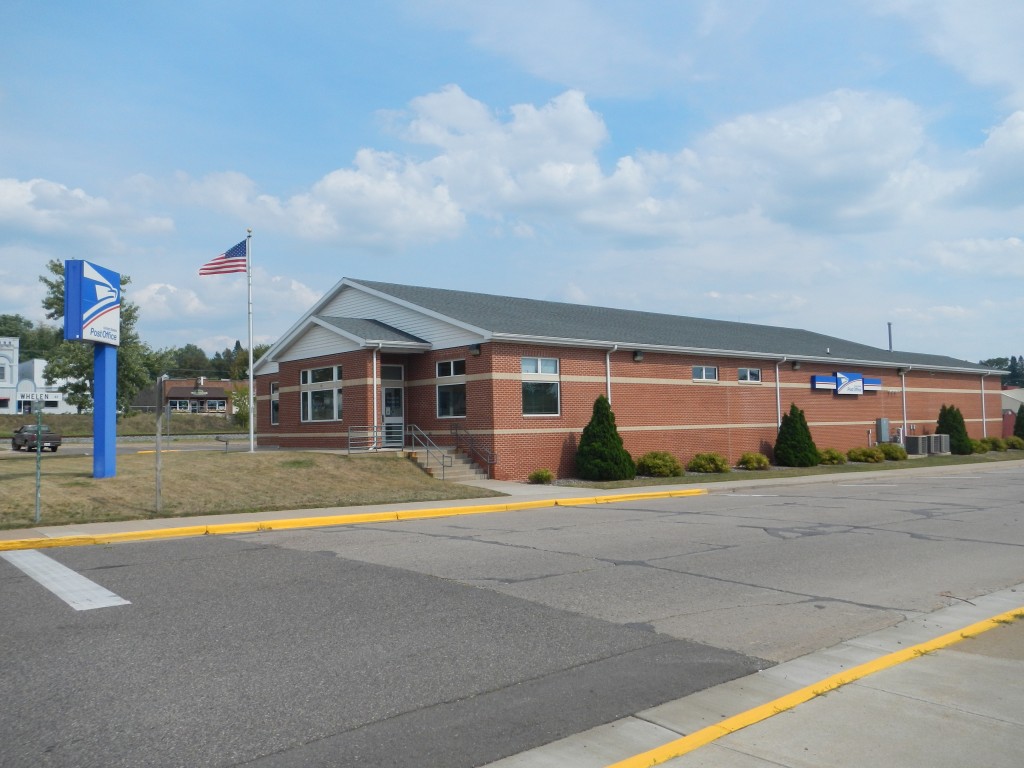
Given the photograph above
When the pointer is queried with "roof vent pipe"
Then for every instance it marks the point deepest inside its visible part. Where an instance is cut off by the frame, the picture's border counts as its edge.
(890, 336)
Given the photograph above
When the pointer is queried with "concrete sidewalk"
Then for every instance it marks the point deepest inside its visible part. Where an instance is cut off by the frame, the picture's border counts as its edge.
(513, 492)
(915, 706)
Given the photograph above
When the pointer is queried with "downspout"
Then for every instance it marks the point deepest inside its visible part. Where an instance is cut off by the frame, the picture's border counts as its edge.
(778, 395)
(984, 421)
(608, 371)
(903, 385)
(376, 398)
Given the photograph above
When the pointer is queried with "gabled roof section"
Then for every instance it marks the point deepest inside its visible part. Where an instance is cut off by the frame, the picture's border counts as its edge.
(533, 320)
(370, 331)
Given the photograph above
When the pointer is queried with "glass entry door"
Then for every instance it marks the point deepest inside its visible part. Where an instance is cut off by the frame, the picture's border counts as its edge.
(394, 418)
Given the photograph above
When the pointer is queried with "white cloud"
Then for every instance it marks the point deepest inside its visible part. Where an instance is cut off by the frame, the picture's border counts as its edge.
(998, 165)
(603, 48)
(163, 301)
(48, 207)
(981, 38)
(383, 200)
(1003, 258)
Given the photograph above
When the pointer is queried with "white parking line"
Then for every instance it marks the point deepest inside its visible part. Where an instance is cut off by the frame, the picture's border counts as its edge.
(71, 587)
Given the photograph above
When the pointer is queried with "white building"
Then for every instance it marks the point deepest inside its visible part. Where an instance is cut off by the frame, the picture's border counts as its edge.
(26, 377)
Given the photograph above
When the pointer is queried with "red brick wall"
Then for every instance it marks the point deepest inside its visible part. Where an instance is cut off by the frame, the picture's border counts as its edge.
(657, 405)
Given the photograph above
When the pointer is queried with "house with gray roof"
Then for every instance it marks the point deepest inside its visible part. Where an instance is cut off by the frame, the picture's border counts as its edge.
(511, 382)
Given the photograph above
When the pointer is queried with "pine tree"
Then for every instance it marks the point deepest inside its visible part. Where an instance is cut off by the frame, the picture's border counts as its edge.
(601, 455)
(1018, 425)
(951, 422)
(794, 446)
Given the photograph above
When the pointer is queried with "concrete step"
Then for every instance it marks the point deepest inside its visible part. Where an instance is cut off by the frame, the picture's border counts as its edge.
(462, 467)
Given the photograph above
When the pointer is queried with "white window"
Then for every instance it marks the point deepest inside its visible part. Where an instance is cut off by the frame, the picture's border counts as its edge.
(705, 373)
(451, 394)
(320, 375)
(216, 406)
(320, 396)
(749, 374)
(275, 401)
(541, 386)
(178, 405)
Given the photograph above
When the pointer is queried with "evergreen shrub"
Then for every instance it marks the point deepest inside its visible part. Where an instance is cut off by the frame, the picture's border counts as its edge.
(871, 455)
(977, 446)
(951, 422)
(753, 461)
(708, 463)
(831, 457)
(1015, 443)
(893, 451)
(794, 446)
(601, 455)
(994, 443)
(1018, 424)
(659, 464)
(541, 477)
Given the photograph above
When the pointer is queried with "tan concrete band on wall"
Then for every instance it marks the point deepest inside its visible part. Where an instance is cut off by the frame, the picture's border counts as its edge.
(330, 520)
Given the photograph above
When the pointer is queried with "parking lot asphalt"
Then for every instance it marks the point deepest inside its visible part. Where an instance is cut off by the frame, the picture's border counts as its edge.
(936, 690)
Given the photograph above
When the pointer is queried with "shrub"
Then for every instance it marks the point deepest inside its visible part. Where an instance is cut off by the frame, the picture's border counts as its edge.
(866, 455)
(832, 457)
(1018, 424)
(951, 422)
(1015, 443)
(893, 451)
(659, 464)
(541, 477)
(794, 446)
(977, 446)
(708, 463)
(753, 461)
(994, 443)
(601, 455)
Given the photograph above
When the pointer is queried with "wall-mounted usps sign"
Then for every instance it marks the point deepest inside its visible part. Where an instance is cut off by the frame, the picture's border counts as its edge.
(846, 383)
(92, 303)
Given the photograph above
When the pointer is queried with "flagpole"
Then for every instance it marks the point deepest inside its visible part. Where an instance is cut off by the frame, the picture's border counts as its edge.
(252, 392)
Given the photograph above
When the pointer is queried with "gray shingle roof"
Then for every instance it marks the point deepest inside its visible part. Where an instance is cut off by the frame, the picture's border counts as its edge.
(505, 315)
(370, 330)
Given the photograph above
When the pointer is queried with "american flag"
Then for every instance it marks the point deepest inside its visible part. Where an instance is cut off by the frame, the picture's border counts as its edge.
(232, 260)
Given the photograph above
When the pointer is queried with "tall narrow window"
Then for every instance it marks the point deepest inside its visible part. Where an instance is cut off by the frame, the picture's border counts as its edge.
(451, 389)
(275, 402)
(541, 386)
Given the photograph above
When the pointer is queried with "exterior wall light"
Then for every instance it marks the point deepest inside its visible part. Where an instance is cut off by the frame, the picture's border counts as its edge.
(638, 356)
(796, 365)
(474, 350)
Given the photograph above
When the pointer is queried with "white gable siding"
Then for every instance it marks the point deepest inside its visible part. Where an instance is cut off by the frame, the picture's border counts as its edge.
(352, 303)
(315, 342)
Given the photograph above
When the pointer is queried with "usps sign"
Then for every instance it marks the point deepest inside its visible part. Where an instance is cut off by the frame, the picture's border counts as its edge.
(92, 303)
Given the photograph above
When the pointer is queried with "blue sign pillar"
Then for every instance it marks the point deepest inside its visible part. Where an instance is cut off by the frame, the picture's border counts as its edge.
(104, 413)
(92, 314)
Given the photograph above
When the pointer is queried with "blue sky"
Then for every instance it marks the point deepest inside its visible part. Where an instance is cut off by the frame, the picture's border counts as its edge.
(830, 166)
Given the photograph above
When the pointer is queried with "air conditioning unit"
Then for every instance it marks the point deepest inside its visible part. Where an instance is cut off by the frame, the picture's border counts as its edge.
(916, 445)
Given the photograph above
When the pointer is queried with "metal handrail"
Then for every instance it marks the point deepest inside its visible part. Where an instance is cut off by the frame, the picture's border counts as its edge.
(368, 437)
(418, 436)
(488, 457)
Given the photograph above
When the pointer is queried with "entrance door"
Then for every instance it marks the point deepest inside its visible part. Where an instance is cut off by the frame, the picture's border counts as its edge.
(394, 419)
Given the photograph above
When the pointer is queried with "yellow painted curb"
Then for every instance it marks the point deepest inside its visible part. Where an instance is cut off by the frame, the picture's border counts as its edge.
(687, 744)
(328, 520)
